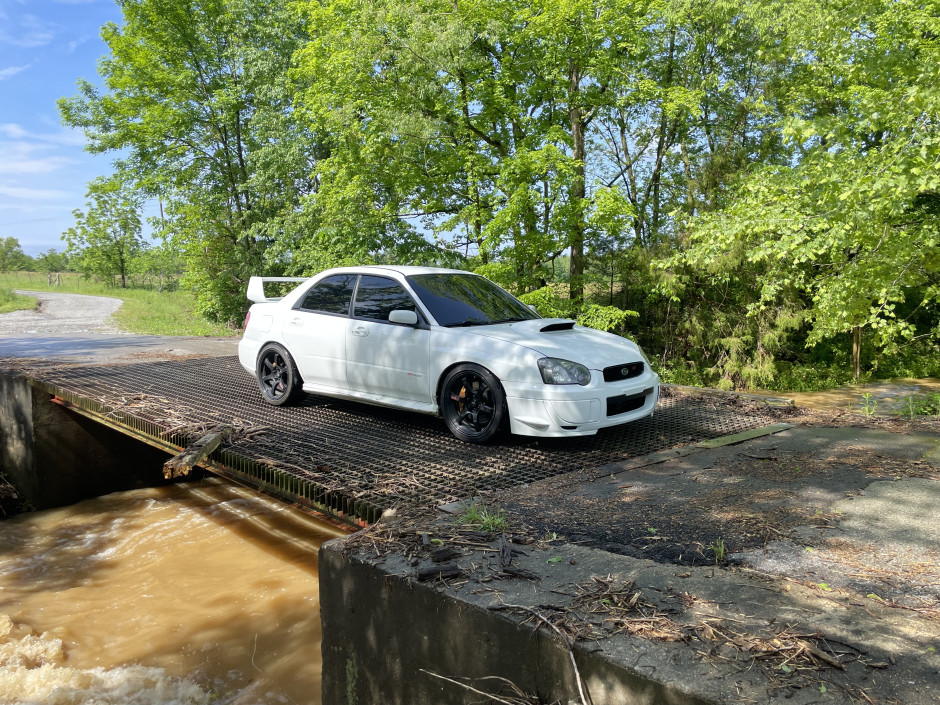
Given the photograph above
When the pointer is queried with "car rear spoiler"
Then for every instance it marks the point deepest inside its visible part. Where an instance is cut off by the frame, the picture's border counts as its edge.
(256, 288)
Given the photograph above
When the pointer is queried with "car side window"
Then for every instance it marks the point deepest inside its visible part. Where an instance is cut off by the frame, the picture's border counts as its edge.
(377, 297)
(332, 295)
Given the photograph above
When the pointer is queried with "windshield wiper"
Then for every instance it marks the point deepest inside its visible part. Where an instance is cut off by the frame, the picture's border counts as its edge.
(468, 322)
(510, 320)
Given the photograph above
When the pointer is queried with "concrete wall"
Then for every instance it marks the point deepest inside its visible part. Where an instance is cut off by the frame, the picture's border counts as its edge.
(55, 457)
(381, 629)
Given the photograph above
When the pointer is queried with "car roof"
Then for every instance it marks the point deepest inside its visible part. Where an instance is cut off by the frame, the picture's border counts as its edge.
(405, 270)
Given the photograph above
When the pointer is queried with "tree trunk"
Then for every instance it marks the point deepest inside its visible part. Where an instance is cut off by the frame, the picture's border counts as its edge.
(577, 194)
(857, 352)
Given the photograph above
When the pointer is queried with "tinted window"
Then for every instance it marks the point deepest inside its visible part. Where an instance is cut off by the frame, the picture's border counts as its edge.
(332, 295)
(377, 297)
(468, 300)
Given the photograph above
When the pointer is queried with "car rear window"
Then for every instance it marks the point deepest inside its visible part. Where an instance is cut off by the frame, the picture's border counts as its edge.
(332, 295)
(377, 297)
(468, 300)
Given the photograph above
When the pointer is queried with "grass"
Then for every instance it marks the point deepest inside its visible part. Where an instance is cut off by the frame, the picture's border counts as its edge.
(145, 310)
(10, 302)
(922, 405)
(489, 521)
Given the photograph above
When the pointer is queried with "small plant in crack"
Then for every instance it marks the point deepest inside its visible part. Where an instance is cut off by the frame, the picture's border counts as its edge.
(718, 548)
(492, 522)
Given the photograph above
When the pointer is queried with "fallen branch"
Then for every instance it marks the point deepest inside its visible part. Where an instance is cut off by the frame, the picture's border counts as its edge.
(490, 696)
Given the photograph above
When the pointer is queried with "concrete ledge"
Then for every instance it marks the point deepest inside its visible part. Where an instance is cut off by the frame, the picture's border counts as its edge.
(716, 635)
(383, 633)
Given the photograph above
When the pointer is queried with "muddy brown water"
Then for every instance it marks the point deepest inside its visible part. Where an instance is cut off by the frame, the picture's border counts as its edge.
(194, 593)
(888, 397)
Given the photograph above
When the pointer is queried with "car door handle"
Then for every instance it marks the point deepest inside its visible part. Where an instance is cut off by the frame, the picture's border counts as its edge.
(360, 330)
(296, 321)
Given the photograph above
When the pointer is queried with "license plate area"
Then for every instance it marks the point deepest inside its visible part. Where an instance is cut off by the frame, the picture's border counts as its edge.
(622, 403)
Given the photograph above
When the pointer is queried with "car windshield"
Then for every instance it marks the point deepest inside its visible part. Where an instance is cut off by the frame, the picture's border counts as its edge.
(468, 300)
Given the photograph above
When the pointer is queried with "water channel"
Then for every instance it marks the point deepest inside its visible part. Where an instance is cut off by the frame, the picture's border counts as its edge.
(188, 594)
(884, 398)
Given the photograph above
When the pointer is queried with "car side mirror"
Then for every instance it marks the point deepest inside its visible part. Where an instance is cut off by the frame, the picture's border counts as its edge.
(406, 318)
(532, 306)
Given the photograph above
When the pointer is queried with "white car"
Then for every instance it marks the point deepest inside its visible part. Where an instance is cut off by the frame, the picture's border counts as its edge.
(444, 342)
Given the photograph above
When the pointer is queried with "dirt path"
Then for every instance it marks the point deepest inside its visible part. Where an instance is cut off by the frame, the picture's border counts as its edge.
(62, 314)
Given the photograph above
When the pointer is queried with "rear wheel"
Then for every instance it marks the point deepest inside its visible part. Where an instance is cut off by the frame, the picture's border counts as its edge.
(472, 403)
(277, 374)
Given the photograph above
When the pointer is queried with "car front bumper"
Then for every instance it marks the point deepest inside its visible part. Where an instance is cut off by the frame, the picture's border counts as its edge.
(571, 410)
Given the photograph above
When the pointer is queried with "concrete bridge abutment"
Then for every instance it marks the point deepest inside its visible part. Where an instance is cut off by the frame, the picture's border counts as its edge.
(55, 456)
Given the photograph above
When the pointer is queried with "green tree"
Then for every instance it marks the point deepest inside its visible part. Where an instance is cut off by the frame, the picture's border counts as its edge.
(848, 227)
(12, 257)
(106, 237)
(52, 261)
(471, 118)
(197, 101)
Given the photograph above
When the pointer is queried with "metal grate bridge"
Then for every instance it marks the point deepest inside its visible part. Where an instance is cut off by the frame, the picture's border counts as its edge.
(346, 459)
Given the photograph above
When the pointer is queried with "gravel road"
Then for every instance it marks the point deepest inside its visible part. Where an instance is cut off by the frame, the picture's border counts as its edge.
(78, 328)
(62, 314)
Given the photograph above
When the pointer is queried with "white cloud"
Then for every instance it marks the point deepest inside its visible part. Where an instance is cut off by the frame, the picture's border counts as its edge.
(29, 32)
(33, 194)
(62, 136)
(11, 71)
(76, 43)
(20, 157)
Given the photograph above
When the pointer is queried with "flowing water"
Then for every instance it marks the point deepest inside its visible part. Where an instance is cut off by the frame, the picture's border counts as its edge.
(193, 593)
(889, 397)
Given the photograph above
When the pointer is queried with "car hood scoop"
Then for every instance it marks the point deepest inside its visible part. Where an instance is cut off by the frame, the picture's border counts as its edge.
(560, 337)
(557, 325)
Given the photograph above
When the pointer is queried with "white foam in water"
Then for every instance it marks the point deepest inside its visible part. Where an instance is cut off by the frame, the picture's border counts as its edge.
(31, 673)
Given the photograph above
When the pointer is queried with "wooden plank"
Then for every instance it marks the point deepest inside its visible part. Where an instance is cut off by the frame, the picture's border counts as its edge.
(182, 464)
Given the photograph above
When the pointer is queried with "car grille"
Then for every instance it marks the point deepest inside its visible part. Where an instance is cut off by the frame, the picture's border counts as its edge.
(615, 373)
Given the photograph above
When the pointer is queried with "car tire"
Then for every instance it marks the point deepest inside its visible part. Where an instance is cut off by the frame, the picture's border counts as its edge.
(472, 403)
(278, 379)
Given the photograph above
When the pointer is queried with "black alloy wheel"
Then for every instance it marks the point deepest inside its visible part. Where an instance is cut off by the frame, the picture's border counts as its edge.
(277, 374)
(472, 403)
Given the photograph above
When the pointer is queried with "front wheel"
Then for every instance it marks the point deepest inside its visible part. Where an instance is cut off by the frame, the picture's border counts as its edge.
(277, 374)
(472, 403)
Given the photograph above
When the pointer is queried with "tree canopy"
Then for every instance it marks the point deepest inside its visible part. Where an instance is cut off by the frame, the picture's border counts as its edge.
(751, 178)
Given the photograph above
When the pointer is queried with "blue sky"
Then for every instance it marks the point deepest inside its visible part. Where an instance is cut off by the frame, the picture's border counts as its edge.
(45, 47)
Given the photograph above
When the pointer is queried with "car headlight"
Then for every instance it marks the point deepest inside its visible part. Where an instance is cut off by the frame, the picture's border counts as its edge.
(557, 371)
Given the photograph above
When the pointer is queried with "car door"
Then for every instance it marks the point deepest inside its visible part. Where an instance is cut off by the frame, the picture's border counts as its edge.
(315, 331)
(384, 358)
